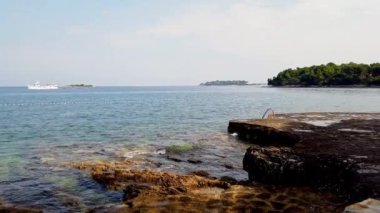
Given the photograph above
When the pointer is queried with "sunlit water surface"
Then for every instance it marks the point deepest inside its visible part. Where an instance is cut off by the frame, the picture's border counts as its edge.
(41, 132)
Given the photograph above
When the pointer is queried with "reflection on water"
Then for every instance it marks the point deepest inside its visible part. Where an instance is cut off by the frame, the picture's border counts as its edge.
(42, 132)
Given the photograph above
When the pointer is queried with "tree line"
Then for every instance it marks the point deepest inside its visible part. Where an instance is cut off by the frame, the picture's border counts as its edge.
(329, 75)
(224, 83)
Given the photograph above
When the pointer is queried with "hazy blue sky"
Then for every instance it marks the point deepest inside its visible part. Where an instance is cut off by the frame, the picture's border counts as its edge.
(179, 42)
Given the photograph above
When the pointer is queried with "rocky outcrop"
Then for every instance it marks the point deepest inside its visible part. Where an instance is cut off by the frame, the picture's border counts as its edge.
(338, 152)
(265, 132)
(157, 191)
(283, 166)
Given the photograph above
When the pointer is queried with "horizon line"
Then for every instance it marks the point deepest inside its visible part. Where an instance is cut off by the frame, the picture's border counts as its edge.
(184, 85)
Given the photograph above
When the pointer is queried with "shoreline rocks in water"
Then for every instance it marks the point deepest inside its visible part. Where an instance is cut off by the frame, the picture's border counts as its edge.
(158, 191)
(10, 209)
(338, 152)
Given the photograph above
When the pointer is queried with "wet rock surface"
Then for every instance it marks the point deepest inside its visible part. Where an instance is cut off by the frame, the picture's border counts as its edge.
(11, 209)
(338, 152)
(366, 206)
(157, 191)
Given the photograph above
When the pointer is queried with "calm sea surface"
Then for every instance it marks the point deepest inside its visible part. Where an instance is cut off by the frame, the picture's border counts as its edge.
(42, 132)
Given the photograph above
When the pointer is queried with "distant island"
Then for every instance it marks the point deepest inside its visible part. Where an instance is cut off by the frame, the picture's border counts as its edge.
(350, 74)
(79, 85)
(225, 83)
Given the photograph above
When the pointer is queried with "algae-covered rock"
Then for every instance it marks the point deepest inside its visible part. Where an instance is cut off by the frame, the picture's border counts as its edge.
(173, 149)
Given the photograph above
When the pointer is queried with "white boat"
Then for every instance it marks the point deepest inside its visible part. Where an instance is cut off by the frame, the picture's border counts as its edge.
(38, 86)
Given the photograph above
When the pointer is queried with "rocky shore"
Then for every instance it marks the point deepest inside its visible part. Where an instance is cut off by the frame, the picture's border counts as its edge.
(156, 191)
(335, 152)
(302, 162)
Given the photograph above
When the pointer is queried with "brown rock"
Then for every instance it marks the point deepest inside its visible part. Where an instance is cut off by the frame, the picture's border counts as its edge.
(154, 191)
(10, 209)
(201, 173)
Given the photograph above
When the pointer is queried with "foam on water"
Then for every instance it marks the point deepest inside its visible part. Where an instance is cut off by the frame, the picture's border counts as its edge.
(356, 130)
(323, 123)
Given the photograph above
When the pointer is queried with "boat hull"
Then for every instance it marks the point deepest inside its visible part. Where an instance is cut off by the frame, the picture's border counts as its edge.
(43, 87)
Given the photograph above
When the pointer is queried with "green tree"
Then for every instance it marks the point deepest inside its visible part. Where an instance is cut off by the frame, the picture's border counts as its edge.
(329, 74)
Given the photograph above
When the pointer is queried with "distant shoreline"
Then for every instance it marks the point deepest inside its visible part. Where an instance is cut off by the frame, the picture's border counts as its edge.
(332, 86)
(228, 83)
(263, 84)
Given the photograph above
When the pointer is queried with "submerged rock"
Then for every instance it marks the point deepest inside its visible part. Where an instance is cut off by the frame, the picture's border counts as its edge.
(311, 149)
(366, 206)
(179, 148)
(175, 159)
(119, 175)
(194, 161)
(11, 209)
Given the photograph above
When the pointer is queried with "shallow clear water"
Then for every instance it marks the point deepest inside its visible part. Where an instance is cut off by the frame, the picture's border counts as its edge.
(42, 131)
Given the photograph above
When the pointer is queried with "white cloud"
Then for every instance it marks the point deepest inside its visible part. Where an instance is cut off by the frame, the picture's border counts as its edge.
(219, 39)
(308, 31)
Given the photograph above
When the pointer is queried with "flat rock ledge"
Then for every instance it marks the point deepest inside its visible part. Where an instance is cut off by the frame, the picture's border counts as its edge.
(336, 152)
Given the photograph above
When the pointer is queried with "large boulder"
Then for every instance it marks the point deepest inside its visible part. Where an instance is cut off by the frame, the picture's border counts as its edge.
(338, 152)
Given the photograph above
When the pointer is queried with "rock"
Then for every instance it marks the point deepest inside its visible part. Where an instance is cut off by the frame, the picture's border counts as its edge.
(121, 208)
(338, 152)
(69, 200)
(230, 180)
(366, 206)
(118, 176)
(12, 209)
(228, 166)
(133, 190)
(173, 159)
(194, 161)
(263, 132)
(200, 173)
(157, 191)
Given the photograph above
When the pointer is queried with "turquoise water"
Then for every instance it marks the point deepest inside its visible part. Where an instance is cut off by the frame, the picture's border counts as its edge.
(42, 131)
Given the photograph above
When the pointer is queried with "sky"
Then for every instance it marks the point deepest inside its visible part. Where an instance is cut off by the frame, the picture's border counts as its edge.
(179, 42)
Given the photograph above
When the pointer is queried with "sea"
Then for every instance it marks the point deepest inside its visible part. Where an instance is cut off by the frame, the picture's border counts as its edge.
(43, 132)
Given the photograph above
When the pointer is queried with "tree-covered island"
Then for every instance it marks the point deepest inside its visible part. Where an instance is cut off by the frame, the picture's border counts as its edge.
(350, 74)
(225, 83)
